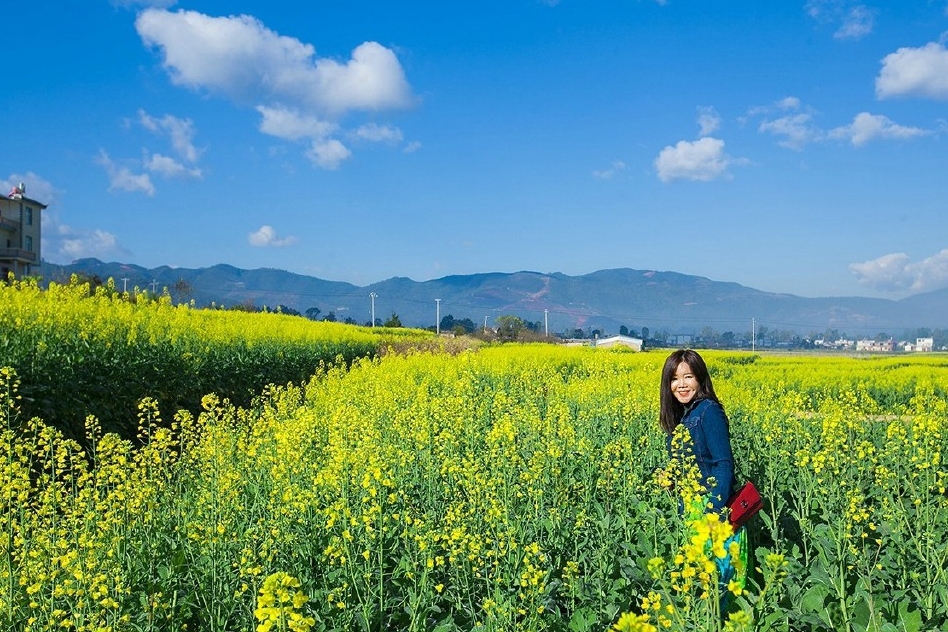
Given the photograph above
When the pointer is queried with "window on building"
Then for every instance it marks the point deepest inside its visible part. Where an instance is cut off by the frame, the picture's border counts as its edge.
(28, 216)
(29, 243)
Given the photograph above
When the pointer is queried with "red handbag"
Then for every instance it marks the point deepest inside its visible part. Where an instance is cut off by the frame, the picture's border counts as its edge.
(743, 505)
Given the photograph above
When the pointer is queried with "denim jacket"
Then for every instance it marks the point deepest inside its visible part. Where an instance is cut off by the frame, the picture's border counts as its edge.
(711, 443)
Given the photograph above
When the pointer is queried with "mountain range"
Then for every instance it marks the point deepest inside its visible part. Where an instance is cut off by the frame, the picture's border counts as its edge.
(604, 300)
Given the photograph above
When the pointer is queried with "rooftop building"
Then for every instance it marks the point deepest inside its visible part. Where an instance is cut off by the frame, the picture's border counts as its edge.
(20, 225)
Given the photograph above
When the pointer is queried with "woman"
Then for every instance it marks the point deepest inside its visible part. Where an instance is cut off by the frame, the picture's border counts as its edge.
(688, 399)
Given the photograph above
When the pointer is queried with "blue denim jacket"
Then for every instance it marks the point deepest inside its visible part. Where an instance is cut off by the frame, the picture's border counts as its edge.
(711, 443)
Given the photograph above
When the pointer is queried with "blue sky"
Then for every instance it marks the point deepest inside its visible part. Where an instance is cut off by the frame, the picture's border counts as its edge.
(797, 147)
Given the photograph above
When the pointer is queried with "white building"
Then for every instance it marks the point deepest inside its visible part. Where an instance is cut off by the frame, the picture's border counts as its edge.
(921, 344)
(875, 346)
(612, 341)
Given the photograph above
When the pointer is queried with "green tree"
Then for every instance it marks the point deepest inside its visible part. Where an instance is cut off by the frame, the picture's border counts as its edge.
(509, 327)
(312, 313)
(286, 309)
(447, 323)
(393, 321)
(182, 291)
(459, 327)
(709, 336)
(466, 324)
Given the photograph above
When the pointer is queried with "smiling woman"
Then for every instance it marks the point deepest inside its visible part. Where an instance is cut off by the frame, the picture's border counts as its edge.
(699, 446)
(688, 399)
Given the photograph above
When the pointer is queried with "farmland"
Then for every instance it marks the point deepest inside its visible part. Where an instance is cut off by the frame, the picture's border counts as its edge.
(507, 488)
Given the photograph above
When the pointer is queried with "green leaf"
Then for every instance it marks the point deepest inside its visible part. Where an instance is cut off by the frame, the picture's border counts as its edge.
(815, 598)
(583, 619)
(771, 620)
(445, 625)
(910, 620)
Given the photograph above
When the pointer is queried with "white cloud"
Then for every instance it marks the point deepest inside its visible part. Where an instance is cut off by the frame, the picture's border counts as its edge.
(708, 121)
(784, 104)
(181, 132)
(242, 59)
(373, 79)
(857, 23)
(816, 8)
(896, 273)
(703, 159)
(919, 72)
(379, 133)
(305, 95)
(412, 147)
(93, 244)
(266, 237)
(797, 130)
(328, 154)
(123, 179)
(290, 124)
(609, 173)
(788, 103)
(62, 243)
(796, 127)
(169, 167)
(866, 127)
(789, 120)
(855, 20)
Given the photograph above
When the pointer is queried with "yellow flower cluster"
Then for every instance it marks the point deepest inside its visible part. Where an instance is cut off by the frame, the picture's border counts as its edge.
(279, 605)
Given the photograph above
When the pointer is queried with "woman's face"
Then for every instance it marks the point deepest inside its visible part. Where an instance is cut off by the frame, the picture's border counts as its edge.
(684, 385)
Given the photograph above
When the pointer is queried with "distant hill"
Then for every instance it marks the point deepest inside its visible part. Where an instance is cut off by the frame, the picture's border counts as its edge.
(604, 300)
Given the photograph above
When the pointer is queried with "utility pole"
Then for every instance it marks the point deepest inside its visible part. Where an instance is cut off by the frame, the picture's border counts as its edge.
(546, 323)
(124, 285)
(438, 316)
(753, 334)
(372, 296)
(154, 287)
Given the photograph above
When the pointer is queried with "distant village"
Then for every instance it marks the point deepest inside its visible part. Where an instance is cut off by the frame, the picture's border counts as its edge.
(921, 345)
(866, 345)
(881, 346)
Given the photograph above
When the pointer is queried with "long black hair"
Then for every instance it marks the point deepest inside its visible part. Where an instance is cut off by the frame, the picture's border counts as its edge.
(671, 409)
